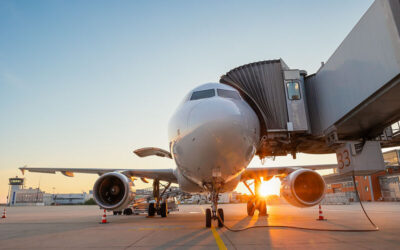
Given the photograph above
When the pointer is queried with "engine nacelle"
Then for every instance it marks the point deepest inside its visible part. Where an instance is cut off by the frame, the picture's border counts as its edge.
(113, 191)
(303, 188)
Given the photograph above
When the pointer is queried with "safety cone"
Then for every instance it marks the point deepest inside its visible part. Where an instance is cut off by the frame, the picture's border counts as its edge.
(104, 218)
(321, 215)
(4, 214)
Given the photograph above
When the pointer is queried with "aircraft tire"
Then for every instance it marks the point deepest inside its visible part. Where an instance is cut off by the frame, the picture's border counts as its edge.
(262, 208)
(164, 209)
(250, 208)
(208, 217)
(151, 209)
(221, 217)
(128, 211)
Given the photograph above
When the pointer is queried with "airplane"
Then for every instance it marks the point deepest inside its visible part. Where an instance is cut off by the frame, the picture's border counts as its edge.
(213, 136)
(267, 109)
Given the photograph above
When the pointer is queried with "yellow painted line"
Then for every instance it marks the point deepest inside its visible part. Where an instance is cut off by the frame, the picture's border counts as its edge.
(218, 239)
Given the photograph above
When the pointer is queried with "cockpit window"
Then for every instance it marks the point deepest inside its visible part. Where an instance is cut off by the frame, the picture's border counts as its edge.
(202, 94)
(228, 94)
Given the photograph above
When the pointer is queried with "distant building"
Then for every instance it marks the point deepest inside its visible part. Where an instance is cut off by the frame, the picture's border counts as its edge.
(381, 186)
(28, 197)
(235, 197)
(70, 199)
(19, 196)
(225, 197)
(144, 191)
(15, 184)
(48, 199)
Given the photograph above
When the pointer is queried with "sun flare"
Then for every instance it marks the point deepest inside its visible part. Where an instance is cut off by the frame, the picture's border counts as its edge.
(271, 187)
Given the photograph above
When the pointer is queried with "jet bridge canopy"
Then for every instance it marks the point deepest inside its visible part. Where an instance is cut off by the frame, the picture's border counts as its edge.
(262, 86)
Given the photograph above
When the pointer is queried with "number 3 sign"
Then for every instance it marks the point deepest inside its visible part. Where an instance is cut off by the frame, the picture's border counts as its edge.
(343, 159)
(369, 160)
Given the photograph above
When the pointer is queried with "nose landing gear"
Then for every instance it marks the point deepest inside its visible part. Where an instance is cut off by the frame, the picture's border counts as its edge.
(214, 213)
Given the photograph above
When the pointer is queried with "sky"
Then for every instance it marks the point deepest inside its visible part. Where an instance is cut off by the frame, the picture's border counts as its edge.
(84, 83)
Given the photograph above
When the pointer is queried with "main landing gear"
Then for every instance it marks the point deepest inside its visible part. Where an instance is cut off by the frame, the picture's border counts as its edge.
(256, 202)
(159, 207)
(214, 213)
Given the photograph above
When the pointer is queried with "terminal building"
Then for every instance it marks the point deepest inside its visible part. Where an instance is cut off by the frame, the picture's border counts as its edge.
(381, 186)
(71, 199)
(20, 196)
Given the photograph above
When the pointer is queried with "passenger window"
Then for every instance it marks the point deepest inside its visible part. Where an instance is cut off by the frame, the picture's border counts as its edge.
(293, 90)
(202, 94)
(228, 94)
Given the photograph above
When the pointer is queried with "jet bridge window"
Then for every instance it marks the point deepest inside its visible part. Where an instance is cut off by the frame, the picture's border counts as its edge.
(202, 94)
(293, 90)
(228, 94)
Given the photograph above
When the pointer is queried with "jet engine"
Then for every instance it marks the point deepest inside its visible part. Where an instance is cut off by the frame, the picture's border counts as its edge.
(303, 188)
(113, 191)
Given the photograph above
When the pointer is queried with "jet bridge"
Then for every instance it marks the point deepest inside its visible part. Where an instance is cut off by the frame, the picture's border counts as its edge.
(353, 98)
(356, 93)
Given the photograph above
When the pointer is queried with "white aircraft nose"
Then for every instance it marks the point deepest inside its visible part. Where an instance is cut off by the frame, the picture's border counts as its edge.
(222, 134)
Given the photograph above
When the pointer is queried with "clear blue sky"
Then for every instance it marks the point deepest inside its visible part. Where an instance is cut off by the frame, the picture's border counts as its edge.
(83, 83)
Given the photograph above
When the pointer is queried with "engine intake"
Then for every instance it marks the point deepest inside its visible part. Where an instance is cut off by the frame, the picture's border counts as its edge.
(113, 191)
(303, 188)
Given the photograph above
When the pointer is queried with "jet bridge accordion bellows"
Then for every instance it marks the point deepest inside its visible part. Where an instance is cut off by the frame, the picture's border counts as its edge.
(262, 86)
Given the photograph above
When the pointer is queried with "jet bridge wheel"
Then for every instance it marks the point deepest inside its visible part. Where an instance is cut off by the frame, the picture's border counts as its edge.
(221, 217)
(208, 217)
(164, 209)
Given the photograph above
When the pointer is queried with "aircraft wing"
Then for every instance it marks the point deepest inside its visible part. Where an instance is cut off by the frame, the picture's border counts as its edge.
(161, 174)
(267, 172)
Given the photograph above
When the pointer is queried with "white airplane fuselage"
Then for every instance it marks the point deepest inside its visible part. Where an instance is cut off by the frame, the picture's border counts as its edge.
(213, 138)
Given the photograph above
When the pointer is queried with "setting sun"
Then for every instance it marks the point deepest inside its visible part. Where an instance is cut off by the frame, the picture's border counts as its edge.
(271, 187)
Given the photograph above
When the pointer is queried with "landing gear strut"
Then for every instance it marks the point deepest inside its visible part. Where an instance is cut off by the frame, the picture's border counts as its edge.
(214, 213)
(256, 202)
(160, 207)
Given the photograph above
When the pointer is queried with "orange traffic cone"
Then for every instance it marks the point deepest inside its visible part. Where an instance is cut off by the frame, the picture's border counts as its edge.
(4, 214)
(104, 218)
(321, 215)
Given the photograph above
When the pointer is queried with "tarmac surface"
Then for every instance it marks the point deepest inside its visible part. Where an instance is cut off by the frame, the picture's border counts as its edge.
(66, 227)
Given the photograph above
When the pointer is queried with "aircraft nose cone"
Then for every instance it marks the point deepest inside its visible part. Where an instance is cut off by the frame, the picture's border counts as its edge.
(221, 135)
(216, 112)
